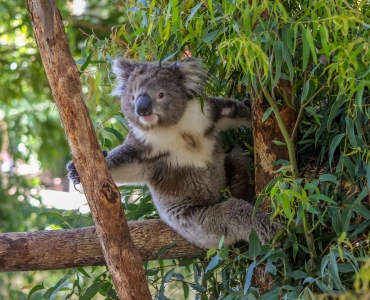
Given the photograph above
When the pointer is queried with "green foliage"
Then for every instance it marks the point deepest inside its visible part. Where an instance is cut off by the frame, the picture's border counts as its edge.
(320, 47)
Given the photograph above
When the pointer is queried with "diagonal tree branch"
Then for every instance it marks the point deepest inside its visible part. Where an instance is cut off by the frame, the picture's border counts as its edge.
(122, 258)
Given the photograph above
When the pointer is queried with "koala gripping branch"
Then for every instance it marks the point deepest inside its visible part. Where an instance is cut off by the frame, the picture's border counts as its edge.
(121, 255)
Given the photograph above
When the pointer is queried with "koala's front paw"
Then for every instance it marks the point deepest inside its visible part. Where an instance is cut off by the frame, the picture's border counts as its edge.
(72, 174)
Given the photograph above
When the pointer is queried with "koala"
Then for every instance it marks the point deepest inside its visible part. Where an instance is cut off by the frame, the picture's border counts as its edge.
(173, 147)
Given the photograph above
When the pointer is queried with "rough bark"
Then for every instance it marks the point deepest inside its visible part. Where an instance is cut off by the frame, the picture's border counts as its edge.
(61, 249)
(265, 151)
(122, 258)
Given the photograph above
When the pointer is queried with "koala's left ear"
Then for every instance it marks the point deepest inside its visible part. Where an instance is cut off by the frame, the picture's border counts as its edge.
(193, 75)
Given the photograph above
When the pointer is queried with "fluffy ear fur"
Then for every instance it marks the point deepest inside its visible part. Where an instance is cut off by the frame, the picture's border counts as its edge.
(193, 75)
(122, 68)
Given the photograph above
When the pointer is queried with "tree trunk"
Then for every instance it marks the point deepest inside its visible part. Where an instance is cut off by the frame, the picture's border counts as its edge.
(265, 151)
(61, 249)
(122, 258)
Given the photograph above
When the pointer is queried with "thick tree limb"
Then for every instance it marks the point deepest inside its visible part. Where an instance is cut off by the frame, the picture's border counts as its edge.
(61, 249)
(122, 258)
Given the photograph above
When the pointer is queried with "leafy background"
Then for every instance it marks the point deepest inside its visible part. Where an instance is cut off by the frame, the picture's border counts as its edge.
(320, 47)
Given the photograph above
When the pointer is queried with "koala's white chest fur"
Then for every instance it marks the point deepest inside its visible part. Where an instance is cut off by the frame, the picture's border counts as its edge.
(184, 143)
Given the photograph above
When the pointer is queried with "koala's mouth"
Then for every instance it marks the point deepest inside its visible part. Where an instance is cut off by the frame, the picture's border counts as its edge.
(153, 118)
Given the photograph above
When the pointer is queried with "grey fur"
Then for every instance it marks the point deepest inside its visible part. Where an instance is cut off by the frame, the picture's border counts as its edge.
(176, 152)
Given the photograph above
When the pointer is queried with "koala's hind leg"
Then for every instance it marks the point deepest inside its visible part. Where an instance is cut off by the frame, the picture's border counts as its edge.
(232, 219)
(238, 168)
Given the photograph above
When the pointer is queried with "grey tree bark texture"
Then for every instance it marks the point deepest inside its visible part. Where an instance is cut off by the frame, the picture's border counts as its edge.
(121, 256)
(61, 249)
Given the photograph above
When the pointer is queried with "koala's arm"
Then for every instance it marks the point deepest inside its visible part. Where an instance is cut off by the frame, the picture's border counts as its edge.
(228, 113)
(123, 164)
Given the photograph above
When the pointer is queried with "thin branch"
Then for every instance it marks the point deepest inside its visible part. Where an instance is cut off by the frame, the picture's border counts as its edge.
(294, 132)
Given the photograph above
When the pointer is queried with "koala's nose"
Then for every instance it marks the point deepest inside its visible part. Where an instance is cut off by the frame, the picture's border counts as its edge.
(144, 106)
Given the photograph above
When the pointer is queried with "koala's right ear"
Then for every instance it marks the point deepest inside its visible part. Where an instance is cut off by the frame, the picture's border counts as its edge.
(122, 68)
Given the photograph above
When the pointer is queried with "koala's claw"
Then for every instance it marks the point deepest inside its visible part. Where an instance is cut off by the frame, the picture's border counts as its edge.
(73, 174)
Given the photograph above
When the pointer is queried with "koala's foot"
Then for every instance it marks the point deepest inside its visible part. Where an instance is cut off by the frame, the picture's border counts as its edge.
(238, 168)
(73, 174)
(232, 219)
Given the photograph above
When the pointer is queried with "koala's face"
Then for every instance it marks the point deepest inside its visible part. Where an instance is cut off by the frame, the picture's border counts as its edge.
(154, 95)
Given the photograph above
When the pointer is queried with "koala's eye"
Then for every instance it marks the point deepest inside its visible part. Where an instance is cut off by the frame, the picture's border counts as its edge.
(160, 95)
(132, 97)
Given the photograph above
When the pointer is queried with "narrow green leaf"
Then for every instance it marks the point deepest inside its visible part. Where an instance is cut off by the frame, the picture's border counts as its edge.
(346, 268)
(288, 59)
(211, 11)
(213, 263)
(311, 44)
(278, 143)
(166, 278)
(346, 218)
(312, 111)
(166, 47)
(152, 272)
(292, 296)
(192, 13)
(198, 288)
(360, 228)
(306, 48)
(324, 35)
(210, 36)
(333, 271)
(337, 223)
(359, 94)
(185, 289)
(322, 286)
(221, 242)
(233, 295)
(351, 132)
(273, 295)
(254, 245)
(92, 290)
(48, 294)
(82, 271)
(267, 113)
(224, 252)
(164, 248)
(169, 57)
(278, 51)
(323, 198)
(351, 168)
(361, 196)
(298, 274)
(328, 178)
(333, 145)
(248, 277)
(87, 62)
(305, 90)
(35, 289)
(116, 133)
(335, 110)
(286, 206)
